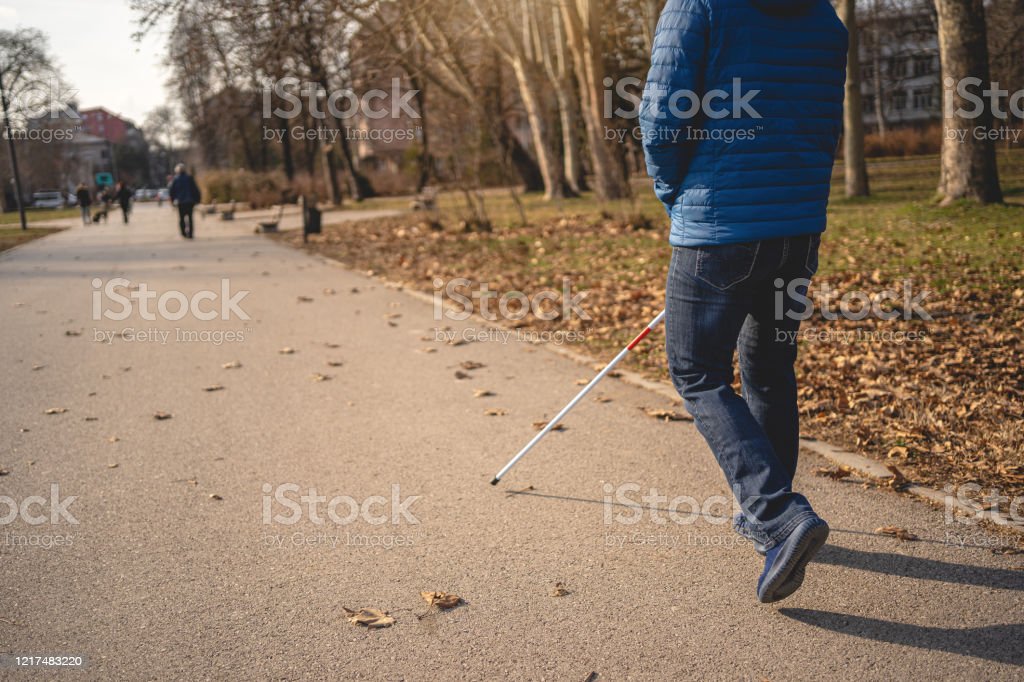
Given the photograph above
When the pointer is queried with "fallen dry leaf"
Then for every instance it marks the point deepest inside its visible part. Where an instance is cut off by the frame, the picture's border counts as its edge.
(370, 618)
(92, 419)
(495, 412)
(213, 387)
(55, 410)
(72, 332)
(234, 364)
(442, 600)
(329, 292)
(287, 351)
(113, 439)
(482, 393)
(330, 344)
(113, 465)
(835, 473)
(558, 590)
(317, 376)
(470, 365)
(667, 415)
(428, 350)
(540, 425)
(335, 363)
(215, 496)
(36, 368)
(4, 472)
(161, 416)
(896, 532)
(459, 374)
(305, 299)
(602, 399)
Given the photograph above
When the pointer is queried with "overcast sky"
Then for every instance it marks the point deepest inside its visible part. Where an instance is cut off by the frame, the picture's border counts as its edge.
(92, 42)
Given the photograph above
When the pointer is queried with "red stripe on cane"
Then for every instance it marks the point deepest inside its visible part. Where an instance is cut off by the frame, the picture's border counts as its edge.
(638, 339)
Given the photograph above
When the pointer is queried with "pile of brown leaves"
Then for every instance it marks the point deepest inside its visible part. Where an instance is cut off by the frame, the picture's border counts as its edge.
(946, 407)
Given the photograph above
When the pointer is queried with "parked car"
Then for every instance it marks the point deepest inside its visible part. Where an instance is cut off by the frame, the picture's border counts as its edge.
(48, 199)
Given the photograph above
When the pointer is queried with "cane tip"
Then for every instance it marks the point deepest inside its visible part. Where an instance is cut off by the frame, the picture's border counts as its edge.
(495, 481)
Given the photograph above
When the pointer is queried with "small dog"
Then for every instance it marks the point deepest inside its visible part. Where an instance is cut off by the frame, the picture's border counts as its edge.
(101, 214)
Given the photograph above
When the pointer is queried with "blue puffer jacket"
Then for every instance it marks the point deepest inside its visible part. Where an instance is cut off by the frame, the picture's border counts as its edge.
(756, 161)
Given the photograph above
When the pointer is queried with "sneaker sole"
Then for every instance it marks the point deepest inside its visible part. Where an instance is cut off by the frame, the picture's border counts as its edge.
(790, 575)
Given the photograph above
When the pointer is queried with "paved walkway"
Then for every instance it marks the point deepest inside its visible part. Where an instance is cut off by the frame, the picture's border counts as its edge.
(182, 565)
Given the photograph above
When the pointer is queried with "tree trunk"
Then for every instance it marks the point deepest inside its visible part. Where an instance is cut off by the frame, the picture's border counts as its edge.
(968, 164)
(583, 30)
(547, 156)
(856, 170)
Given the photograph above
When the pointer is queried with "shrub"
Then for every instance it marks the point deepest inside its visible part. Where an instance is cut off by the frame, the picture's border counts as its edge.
(259, 190)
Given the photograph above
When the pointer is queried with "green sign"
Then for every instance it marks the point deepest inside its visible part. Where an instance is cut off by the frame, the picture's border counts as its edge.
(104, 179)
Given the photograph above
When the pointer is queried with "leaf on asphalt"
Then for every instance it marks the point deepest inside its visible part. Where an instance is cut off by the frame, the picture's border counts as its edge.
(72, 332)
(392, 324)
(213, 387)
(317, 376)
(55, 410)
(602, 399)
(1007, 551)
(898, 480)
(113, 465)
(287, 350)
(470, 365)
(305, 299)
(161, 415)
(459, 374)
(215, 496)
(335, 363)
(369, 618)
(234, 364)
(36, 368)
(442, 600)
(329, 292)
(354, 290)
(558, 590)
(582, 382)
(428, 350)
(835, 473)
(4, 472)
(113, 439)
(495, 412)
(898, 451)
(540, 425)
(896, 532)
(667, 415)
(330, 344)
(482, 393)
(457, 342)
(92, 419)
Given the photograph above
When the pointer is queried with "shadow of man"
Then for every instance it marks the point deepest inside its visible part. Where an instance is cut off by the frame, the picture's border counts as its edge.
(998, 643)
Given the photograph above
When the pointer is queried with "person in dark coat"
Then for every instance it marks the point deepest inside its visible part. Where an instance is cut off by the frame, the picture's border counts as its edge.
(84, 201)
(741, 116)
(123, 196)
(185, 193)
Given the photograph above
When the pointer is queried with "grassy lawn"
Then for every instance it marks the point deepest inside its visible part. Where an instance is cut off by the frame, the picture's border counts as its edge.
(38, 215)
(940, 399)
(12, 236)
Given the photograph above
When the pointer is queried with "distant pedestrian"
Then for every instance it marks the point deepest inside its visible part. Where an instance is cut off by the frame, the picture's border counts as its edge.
(84, 201)
(184, 193)
(123, 196)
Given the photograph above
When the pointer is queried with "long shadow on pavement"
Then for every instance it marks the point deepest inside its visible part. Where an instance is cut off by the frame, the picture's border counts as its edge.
(922, 569)
(999, 643)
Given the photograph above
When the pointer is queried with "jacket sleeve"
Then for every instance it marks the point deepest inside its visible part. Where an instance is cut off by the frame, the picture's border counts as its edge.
(666, 112)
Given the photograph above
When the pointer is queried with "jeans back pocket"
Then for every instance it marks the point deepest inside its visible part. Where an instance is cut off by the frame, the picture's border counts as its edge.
(727, 265)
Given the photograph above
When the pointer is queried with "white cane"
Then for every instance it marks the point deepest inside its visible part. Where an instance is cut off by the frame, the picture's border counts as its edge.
(579, 396)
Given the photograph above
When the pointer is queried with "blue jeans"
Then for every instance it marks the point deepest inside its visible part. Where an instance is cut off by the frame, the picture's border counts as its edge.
(734, 297)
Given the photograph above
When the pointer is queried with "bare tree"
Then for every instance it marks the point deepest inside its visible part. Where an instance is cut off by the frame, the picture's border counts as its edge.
(856, 170)
(968, 163)
(24, 63)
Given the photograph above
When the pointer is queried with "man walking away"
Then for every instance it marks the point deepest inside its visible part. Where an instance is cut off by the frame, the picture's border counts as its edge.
(84, 202)
(745, 181)
(123, 196)
(185, 193)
